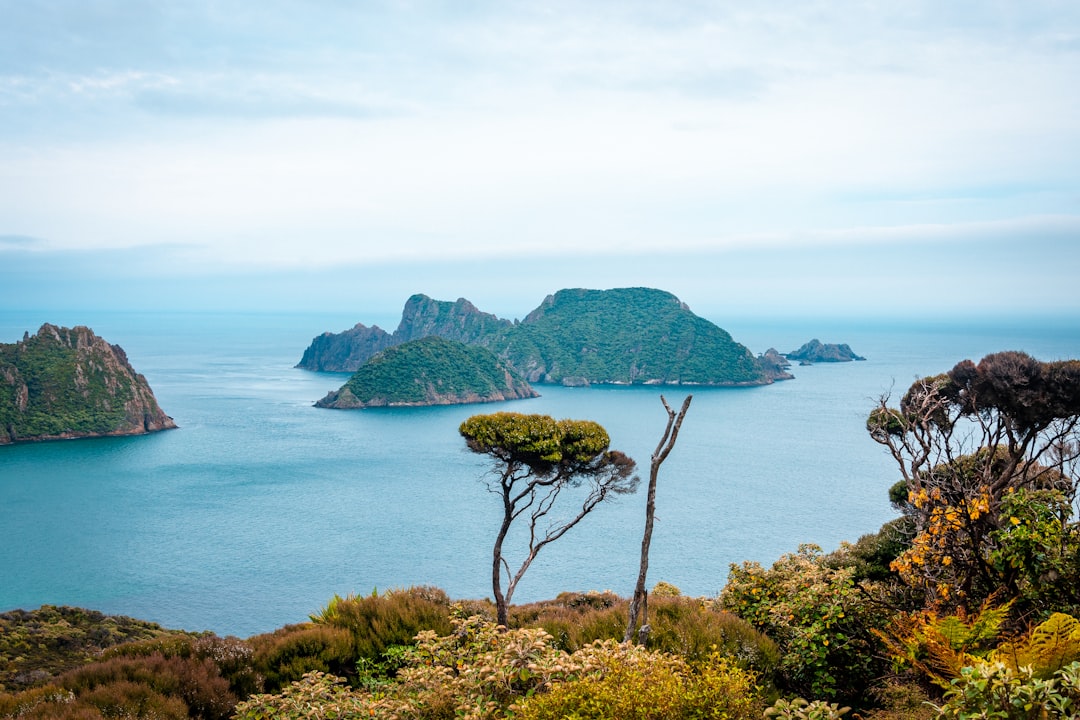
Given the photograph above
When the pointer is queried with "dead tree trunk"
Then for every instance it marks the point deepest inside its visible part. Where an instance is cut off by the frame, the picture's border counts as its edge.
(639, 603)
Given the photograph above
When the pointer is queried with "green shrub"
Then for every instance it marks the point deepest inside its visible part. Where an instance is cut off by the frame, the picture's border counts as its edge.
(800, 709)
(287, 654)
(822, 622)
(992, 690)
(377, 622)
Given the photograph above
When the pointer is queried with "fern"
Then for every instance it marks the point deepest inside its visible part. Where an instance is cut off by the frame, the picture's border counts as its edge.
(1048, 648)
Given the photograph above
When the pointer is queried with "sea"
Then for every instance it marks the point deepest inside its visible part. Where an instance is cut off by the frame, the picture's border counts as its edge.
(260, 508)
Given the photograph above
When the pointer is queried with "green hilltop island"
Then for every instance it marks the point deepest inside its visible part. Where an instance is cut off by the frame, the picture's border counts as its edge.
(577, 337)
(429, 371)
(65, 383)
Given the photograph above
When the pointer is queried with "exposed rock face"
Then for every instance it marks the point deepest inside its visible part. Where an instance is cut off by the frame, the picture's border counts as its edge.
(429, 371)
(69, 383)
(575, 337)
(816, 351)
(345, 351)
(421, 317)
(775, 364)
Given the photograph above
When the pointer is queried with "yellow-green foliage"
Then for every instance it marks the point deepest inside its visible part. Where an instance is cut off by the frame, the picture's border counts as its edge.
(629, 682)
(1049, 647)
(37, 645)
(685, 626)
(479, 672)
(665, 589)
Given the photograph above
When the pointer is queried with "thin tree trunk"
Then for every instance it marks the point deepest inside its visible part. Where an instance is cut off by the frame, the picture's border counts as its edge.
(667, 442)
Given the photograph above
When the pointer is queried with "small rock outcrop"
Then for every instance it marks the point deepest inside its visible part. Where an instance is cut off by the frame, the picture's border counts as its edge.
(429, 371)
(775, 365)
(816, 351)
(68, 383)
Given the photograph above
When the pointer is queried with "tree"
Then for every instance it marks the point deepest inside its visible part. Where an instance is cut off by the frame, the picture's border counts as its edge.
(974, 445)
(536, 459)
(639, 603)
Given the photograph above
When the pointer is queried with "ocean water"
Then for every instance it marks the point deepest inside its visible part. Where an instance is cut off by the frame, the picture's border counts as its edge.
(260, 507)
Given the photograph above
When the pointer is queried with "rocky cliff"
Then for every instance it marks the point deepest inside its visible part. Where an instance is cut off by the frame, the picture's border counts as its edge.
(429, 371)
(421, 317)
(69, 383)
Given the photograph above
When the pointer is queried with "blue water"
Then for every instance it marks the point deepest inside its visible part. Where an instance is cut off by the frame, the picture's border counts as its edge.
(261, 507)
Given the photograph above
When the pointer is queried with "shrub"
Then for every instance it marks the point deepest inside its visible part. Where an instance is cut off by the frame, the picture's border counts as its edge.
(197, 684)
(316, 696)
(377, 622)
(629, 682)
(125, 698)
(287, 654)
(817, 615)
(680, 625)
(233, 657)
(992, 690)
(800, 709)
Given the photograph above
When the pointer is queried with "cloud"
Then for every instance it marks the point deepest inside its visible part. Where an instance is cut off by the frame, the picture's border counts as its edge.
(283, 135)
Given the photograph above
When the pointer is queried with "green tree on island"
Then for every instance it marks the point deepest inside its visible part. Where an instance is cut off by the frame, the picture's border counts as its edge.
(536, 459)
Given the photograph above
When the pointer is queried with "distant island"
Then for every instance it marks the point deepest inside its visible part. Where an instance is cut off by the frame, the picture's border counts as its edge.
(429, 371)
(816, 351)
(68, 383)
(625, 336)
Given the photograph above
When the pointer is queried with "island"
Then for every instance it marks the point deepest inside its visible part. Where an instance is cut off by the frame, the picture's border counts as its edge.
(64, 383)
(816, 351)
(623, 336)
(429, 371)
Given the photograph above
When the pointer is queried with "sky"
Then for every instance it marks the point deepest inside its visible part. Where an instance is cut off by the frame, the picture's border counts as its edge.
(775, 158)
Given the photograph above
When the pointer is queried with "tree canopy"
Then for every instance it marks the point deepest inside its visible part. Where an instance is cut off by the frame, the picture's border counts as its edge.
(988, 454)
(536, 458)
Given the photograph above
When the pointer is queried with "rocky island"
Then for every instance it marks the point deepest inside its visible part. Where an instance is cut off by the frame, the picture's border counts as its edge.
(429, 371)
(68, 383)
(816, 351)
(575, 337)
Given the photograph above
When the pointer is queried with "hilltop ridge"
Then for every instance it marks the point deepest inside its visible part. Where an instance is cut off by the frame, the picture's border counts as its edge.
(574, 337)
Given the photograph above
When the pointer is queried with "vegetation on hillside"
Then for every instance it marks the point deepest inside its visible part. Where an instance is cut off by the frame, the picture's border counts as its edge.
(963, 607)
(65, 382)
(429, 371)
(627, 335)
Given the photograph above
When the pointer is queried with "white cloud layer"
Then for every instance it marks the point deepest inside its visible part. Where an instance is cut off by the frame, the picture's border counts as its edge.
(316, 134)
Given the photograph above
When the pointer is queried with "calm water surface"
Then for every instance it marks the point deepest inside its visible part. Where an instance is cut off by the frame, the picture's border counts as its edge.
(261, 507)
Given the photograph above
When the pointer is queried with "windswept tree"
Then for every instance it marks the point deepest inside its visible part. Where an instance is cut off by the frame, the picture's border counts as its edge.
(536, 459)
(988, 455)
